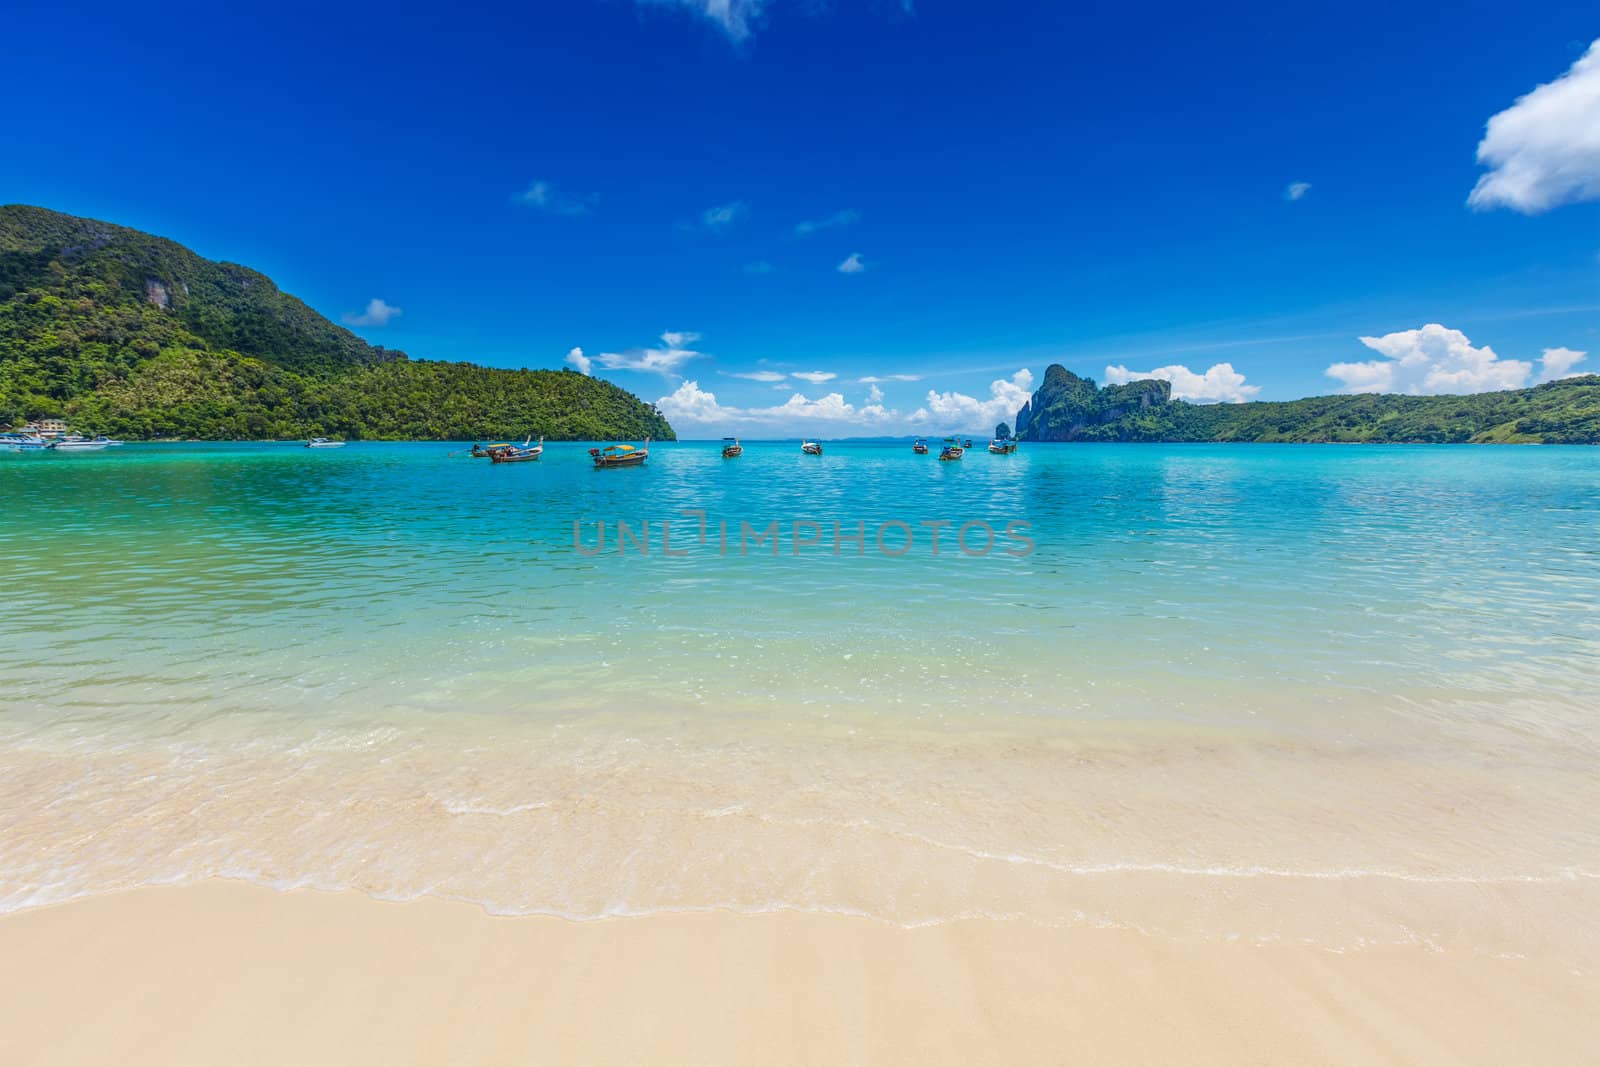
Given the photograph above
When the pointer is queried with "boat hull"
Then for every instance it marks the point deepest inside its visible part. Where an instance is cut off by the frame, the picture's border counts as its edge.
(632, 459)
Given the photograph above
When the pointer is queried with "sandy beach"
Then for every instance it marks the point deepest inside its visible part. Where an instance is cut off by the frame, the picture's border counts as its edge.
(229, 973)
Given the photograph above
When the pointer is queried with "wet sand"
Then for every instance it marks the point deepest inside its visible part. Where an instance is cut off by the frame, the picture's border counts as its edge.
(225, 972)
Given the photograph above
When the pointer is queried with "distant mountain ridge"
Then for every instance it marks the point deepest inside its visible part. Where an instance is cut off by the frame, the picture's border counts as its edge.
(1067, 407)
(125, 333)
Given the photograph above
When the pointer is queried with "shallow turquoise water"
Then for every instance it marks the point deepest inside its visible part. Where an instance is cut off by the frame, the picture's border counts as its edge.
(1433, 605)
(1239, 573)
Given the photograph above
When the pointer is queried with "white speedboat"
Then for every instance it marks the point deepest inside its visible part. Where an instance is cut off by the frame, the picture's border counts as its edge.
(323, 442)
(79, 443)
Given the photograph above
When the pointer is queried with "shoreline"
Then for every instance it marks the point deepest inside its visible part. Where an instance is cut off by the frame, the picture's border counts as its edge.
(228, 972)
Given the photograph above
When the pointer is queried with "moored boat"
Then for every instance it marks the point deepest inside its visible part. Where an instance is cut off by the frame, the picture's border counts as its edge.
(952, 449)
(1002, 448)
(516, 453)
(733, 449)
(482, 451)
(621, 455)
(811, 448)
(920, 447)
(24, 442)
(79, 443)
(323, 442)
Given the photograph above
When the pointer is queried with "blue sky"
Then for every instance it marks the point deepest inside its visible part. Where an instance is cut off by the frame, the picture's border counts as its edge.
(945, 197)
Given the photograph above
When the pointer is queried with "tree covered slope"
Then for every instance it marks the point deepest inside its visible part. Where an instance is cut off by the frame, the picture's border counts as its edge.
(128, 334)
(1070, 408)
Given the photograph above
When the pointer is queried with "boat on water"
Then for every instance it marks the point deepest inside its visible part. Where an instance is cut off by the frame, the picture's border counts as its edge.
(516, 453)
(1002, 448)
(24, 442)
(968, 443)
(920, 447)
(79, 443)
(732, 449)
(323, 442)
(482, 451)
(952, 449)
(811, 448)
(621, 455)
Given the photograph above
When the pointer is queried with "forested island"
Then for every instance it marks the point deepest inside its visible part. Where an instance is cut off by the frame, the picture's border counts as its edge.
(1067, 407)
(123, 333)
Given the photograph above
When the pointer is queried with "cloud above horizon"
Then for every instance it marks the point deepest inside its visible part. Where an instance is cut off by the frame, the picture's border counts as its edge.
(815, 377)
(580, 362)
(544, 196)
(957, 411)
(1434, 359)
(691, 404)
(736, 18)
(719, 218)
(1558, 364)
(808, 227)
(1218, 384)
(651, 360)
(1544, 150)
(852, 264)
(377, 313)
(1296, 190)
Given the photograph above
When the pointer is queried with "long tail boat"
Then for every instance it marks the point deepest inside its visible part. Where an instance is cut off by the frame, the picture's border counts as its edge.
(514, 454)
(733, 449)
(920, 447)
(485, 451)
(952, 449)
(1002, 448)
(811, 448)
(621, 455)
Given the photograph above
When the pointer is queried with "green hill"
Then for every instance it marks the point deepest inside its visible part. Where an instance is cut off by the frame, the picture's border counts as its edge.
(124, 333)
(1070, 408)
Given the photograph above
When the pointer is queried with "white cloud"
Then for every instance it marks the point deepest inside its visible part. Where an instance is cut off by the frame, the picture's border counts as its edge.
(1430, 360)
(1219, 384)
(959, 411)
(874, 395)
(544, 196)
(1558, 364)
(871, 378)
(839, 218)
(736, 18)
(582, 363)
(378, 313)
(1544, 150)
(719, 218)
(664, 361)
(852, 264)
(815, 377)
(691, 404)
(1296, 190)
(758, 375)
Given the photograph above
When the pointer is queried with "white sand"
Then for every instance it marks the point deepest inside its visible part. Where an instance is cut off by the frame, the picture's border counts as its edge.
(225, 973)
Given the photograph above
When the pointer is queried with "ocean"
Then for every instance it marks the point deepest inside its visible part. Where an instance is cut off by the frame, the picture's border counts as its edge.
(1334, 695)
